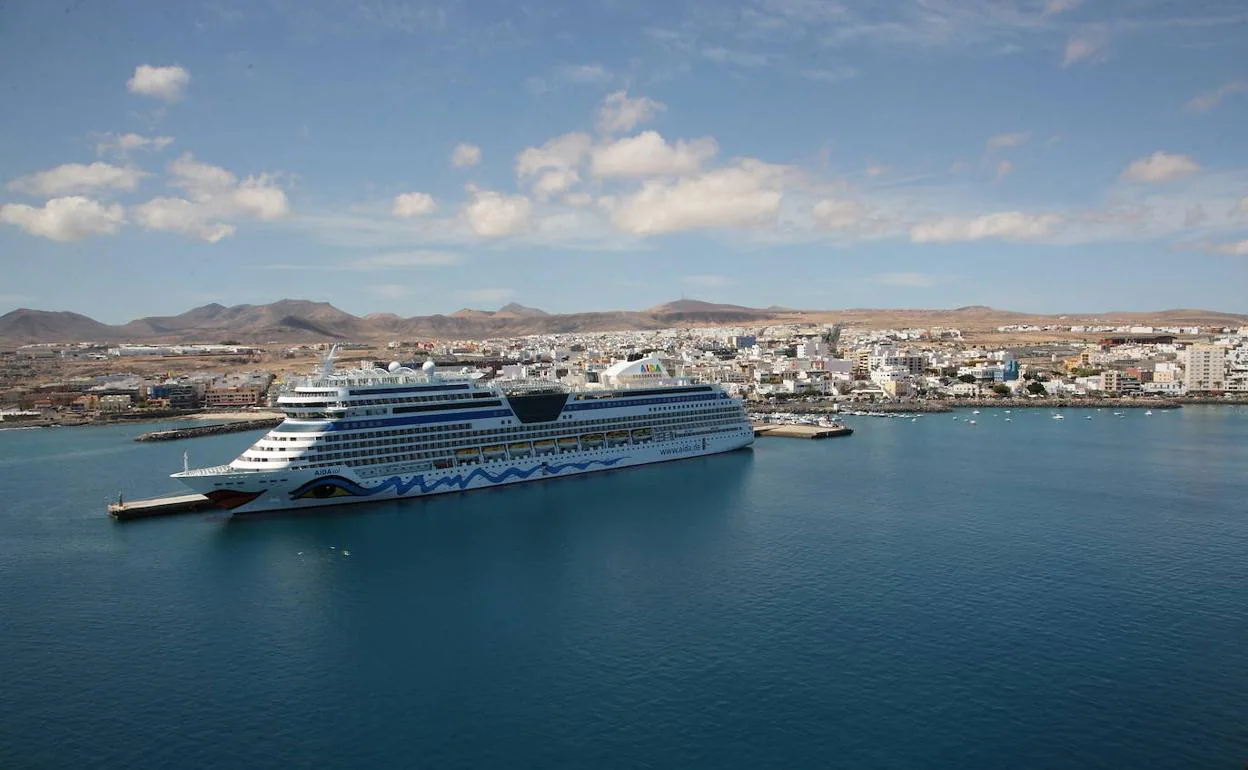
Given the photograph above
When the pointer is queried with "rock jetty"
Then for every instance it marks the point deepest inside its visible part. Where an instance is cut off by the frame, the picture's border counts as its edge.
(208, 430)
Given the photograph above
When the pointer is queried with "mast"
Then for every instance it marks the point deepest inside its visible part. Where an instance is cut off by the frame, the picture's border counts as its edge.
(327, 368)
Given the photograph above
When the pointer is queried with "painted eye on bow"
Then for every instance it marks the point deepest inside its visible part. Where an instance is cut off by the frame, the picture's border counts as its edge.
(322, 491)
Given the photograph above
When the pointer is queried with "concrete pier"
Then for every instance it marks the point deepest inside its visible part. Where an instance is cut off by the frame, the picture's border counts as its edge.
(799, 431)
(159, 506)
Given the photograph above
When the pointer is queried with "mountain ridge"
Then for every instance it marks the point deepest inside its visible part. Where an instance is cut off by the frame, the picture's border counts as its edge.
(297, 320)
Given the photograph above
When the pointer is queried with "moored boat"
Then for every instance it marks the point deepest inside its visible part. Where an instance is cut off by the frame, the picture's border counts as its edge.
(375, 433)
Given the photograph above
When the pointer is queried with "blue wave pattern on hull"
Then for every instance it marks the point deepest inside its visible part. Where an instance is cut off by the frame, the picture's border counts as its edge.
(337, 486)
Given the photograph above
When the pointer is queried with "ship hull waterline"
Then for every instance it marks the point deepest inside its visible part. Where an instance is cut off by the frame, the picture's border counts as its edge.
(247, 493)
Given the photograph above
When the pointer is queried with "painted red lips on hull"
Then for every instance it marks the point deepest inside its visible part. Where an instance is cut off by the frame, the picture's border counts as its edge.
(231, 498)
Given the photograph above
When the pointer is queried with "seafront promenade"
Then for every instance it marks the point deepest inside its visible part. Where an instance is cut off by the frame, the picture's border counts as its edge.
(948, 405)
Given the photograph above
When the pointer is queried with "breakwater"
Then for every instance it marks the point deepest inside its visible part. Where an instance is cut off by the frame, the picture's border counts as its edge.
(208, 430)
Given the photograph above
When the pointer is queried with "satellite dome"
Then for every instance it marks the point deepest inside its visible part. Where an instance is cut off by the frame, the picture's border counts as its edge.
(394, 366)
(428, 367)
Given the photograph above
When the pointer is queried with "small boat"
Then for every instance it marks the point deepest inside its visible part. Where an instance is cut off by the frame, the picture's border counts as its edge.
(1149, 413)
(642, 434)
(568, 442)
(1058, 417)
(467, 454)
(1009, 419)
(519, 449)
(592, 439)
(972, 422)
(975, 412)
(544, 446)
(493, 450)
(1089, 417)
(617, 437)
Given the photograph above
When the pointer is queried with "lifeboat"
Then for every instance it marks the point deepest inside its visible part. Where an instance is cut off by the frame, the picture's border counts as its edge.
(493, 450)
(617, 437)
(544, 446)
(591, 440)
(643, 434)
(519, 449)
(568, 443)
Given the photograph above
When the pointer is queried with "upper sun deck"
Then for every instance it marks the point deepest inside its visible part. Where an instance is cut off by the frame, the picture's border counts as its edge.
(371, 376)
(646, 373)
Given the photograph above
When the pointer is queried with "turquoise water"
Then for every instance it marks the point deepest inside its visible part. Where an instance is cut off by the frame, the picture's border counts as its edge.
(1037, 593)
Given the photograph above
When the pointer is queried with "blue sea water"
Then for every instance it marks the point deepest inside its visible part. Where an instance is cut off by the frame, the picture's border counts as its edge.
(1033, 593)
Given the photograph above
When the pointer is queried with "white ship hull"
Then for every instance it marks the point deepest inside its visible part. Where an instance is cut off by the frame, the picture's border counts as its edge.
(247, 492)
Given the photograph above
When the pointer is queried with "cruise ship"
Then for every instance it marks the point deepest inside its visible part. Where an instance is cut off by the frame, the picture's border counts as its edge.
(399, 432)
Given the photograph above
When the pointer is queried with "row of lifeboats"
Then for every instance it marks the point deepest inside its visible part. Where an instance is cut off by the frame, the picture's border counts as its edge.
(548, 446)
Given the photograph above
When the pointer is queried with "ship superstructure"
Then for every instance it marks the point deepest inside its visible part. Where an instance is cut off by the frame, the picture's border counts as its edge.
(382, 433)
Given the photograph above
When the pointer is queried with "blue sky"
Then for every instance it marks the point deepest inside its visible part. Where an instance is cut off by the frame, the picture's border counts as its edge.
(420, 157)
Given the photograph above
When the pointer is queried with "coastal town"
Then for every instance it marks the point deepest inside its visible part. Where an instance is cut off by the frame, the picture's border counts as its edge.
(771, 366)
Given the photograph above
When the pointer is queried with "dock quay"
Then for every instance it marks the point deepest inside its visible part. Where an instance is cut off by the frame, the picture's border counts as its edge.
(159, 506)
(208, 430)
(799, 431)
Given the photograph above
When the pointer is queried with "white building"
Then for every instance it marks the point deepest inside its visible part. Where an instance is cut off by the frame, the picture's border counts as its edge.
(1206, 368)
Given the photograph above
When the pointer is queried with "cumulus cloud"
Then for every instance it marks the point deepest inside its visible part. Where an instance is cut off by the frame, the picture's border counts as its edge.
(493, 214)
(212, 194)
(554, 182)
(65, 219)
(745, 195)
(255, 196)
(837, 214)
(166, 83)
(413, 204)
(562, 154)
(1211, 99)
(1160, 167)
(1001, 141)
(1006, 225)
(123, 144)
(648, 154)
(72, 178)
(620, 113)
(1082, 48)
(178, 215)
(578, 199)
(465, 155)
